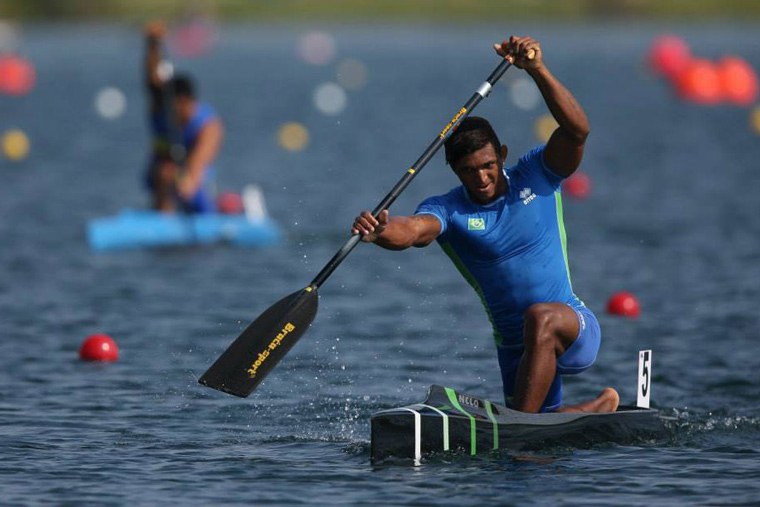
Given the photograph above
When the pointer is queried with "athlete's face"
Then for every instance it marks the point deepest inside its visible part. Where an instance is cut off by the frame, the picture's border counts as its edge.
(185, 108)
(481, 173)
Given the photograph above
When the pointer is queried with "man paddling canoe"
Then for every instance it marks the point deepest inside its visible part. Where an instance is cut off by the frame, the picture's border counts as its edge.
(179, 121)
(503, 230)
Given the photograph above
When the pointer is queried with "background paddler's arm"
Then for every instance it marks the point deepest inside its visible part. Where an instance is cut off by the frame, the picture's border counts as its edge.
(202, 155)
(154, 34)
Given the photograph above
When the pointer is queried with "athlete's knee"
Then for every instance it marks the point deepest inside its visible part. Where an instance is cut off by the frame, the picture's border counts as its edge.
(540, 325)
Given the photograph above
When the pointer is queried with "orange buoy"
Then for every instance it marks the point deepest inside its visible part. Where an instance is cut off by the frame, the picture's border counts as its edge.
(700, 82)
(738, 79)
(624, 304)
(578, 185)
(230, 203)
(99, 347)
(669, 55)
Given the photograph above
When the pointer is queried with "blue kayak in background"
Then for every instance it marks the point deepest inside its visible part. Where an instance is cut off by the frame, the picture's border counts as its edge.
(132, 229)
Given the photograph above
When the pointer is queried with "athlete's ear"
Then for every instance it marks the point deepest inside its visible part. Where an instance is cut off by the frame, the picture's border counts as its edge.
(503, 152)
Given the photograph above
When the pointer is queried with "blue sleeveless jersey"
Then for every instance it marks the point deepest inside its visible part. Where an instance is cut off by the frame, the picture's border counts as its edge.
(203, 201)
(512, 251)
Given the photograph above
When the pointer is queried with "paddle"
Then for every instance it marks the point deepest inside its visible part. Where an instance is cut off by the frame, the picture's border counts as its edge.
(267, 339)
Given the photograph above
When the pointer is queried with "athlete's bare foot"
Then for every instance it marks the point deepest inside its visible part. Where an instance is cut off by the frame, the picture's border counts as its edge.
(607, 401)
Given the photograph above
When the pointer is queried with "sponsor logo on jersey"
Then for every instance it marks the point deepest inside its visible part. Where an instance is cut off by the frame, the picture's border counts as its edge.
(527, 195)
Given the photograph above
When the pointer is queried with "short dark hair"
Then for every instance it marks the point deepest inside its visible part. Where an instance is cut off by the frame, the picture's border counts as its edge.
(471, 135)
(182, 86)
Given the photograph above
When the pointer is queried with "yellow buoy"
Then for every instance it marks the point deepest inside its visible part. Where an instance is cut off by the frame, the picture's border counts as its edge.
(545, 126)
(755, 119)
(15, 144)
(293, 136)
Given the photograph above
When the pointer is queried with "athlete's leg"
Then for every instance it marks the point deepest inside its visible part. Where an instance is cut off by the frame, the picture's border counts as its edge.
(550, 328)
(164, 183)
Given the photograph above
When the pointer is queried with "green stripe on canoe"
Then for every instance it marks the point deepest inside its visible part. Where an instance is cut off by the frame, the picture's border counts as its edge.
(455, 403)
(489, 409)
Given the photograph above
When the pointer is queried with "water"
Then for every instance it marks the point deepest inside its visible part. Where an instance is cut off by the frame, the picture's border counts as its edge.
(673, 218)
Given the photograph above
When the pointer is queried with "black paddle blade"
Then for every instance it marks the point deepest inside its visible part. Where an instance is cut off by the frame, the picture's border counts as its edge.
(262, 345)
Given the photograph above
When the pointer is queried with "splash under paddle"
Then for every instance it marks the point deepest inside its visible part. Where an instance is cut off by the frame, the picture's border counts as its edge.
(267, 339)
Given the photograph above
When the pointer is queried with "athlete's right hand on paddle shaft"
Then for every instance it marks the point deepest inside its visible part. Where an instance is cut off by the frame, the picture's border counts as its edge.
(370, 227)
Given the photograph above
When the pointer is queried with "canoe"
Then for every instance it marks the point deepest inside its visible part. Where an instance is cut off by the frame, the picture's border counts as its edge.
(448, 421)
(132, 229)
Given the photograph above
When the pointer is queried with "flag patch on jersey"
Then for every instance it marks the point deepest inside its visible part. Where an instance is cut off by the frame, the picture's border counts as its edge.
(476, 224)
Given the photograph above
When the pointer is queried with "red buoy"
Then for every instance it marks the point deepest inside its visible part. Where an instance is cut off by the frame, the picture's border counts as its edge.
(624, 304)
(230, 203)
(99, 347)
(700, 82)
(669, 55)
(17, 75)
(578, 185)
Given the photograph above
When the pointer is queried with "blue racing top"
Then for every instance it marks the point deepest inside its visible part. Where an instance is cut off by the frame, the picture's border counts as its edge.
(513, 250)
(202, 201)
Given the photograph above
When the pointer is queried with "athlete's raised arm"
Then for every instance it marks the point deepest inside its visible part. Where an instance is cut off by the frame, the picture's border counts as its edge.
(564, 150)
(396, 233)
(154, 36)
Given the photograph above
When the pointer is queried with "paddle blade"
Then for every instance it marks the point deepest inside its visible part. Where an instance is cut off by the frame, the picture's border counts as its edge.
(262, 345)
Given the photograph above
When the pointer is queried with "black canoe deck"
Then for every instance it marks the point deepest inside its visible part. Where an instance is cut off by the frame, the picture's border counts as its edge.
(450, 421)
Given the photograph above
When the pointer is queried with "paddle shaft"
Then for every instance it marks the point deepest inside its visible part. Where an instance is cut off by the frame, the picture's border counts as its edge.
(409, 175)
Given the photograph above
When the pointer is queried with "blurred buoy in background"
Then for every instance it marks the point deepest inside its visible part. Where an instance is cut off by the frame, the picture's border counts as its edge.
(623, 304)
(738, 79)
(110, 103)
(669, 55)
(15, 144)
(8, 36)
(545, 127)
(524, 94)
(351, 74)
(193, 38)
(230, 203)
(578, 185)
(293, 136)
(330, 99)
(316, 48)
(17, 75)
(700, 82)
(754, 120)
(253, 204)
(99, 347)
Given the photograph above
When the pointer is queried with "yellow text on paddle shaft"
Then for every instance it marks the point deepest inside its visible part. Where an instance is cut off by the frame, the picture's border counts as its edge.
(453, 122)
(289, 327)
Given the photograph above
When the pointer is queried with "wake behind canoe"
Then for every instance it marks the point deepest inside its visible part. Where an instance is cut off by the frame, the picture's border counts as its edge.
(450, 421)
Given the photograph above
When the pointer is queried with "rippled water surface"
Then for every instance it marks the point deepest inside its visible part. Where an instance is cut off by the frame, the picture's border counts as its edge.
(673, 218)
